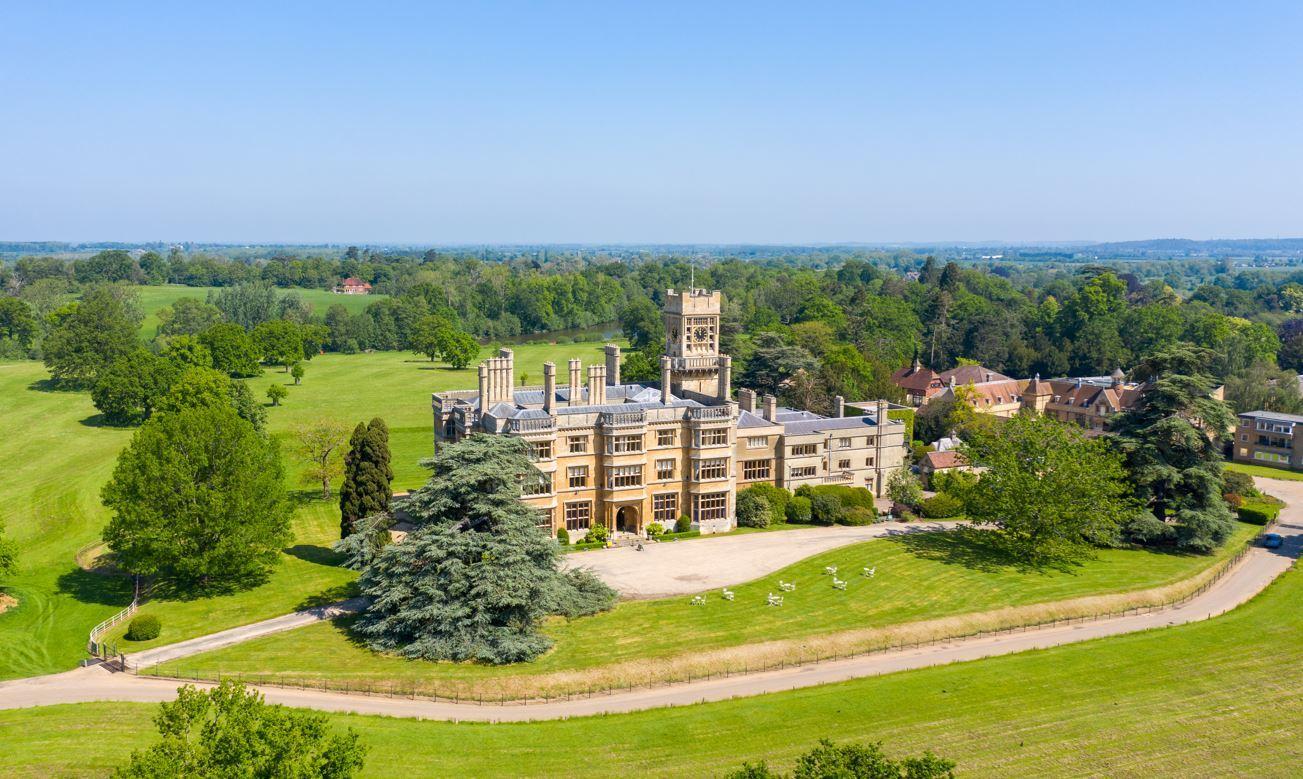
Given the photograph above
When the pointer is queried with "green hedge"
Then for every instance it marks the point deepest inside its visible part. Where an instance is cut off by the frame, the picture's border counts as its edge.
(1256, 513)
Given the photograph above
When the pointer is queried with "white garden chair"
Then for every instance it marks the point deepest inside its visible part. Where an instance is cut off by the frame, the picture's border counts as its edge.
(728, 594)
(775, 600)
(698, 600)
(831, 570)
(786, 586)
(838, 584)
(870, 572)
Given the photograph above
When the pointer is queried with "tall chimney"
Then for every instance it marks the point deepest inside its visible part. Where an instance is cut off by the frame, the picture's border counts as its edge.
(771, 408)
(725, 378)
(508, 374)
(665, 380)
(484, 386)
(839, 406)
(576, 380)
(596, 385)
(612, 364)
(549, 387)
(746, 399)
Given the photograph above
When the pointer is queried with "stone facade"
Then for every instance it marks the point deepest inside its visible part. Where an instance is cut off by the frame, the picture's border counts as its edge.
(627, 455)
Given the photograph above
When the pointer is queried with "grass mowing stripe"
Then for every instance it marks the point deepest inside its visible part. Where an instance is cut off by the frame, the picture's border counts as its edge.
(1212, 698)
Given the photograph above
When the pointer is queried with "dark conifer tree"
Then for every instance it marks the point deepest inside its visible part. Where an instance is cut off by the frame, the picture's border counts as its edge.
(368, 476)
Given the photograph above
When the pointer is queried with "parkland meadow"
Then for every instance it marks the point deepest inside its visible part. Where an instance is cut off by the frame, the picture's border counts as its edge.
(153, 298)
(1213, 698)
(917, 577)
(58, 455)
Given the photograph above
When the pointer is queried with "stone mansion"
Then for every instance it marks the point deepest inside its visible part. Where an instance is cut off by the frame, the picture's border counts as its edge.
(629, 454)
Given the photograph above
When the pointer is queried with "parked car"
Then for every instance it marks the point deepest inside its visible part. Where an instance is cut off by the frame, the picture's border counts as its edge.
(1272, 540)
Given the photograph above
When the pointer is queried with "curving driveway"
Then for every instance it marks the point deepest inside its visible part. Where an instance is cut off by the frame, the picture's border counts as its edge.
(1254, 572)
(695, 565)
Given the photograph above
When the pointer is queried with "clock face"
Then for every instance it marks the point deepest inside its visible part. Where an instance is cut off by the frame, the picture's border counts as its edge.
(701, 334)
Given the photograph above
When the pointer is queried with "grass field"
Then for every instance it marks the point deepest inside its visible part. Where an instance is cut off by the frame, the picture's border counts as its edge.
(59, 457)
(1265, 472)
(1209, 699)
(154, 298)
(918, 577)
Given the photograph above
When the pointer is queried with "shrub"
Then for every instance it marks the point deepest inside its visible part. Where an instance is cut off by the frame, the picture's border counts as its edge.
(798, 510)
(1238, 483)
(859, 515)
(683, 524)
(562, 536)
(805, 491)
(941, 506)
(655, 530)
(848, 496)
(825, 509)
(1233, 500)
(1258, 513)
(145, 627)
(753, 509)
(952, 481)
(597, 533)
(777, 497)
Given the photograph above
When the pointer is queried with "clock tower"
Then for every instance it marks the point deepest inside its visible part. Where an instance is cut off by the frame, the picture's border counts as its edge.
(692, 342)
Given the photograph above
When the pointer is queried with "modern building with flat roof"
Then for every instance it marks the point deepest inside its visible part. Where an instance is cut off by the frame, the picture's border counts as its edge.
(1267, 438)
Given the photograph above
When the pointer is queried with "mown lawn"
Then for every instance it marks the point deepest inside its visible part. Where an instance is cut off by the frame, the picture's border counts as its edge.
(1216, 698)
(59, 455)
(918, 577)
(1265, 472)
(154, 298)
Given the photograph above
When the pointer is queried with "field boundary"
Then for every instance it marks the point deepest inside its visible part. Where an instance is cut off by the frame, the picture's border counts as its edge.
(754, 658)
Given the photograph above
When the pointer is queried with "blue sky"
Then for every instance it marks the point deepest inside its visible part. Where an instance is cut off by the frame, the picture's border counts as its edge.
(650, 122)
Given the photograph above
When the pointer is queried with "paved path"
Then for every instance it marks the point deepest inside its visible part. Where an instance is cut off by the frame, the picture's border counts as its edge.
(1255, 571)
(696, 565)
(243, 633)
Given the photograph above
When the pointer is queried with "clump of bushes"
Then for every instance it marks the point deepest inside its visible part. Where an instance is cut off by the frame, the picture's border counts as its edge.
(562, 536)
(655, 530)
(683, 524)
(753, 509)
(941, 506)
(145, 627)
(1238, 483)
(777, 497)
(596, 534)
(826, 509)
(859, 515)
(799, 510)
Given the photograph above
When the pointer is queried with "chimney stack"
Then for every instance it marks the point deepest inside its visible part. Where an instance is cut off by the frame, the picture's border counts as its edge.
(665, 380)
(839, 406)
(576, 381)
(508, 374)
(746, 399)
(725, 378)
(612, 364)
(771, 408)
(484, 386)
(596, 385)
(549, 387)
(990, 376)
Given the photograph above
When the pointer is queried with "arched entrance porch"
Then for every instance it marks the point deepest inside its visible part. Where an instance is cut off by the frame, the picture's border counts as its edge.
(626, 520)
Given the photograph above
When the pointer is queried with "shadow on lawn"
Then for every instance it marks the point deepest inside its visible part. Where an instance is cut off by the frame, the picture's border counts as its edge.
(318, 555)
(980, 550)
(91, 587)
(332, 595)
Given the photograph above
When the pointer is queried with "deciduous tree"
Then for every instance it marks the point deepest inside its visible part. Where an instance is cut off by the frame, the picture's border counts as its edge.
(230, 731)
(87, 336)
(320, 446)
(198, 496)
(1051, 491)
